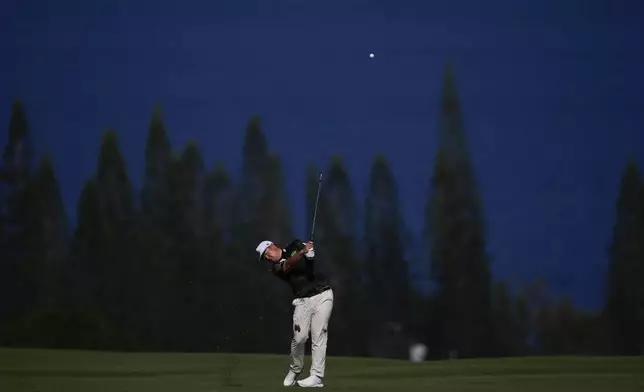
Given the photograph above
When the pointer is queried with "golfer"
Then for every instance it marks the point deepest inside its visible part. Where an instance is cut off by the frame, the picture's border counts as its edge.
(313, 304)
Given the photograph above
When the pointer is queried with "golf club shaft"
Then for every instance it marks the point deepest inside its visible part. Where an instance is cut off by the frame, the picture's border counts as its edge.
(315, 211)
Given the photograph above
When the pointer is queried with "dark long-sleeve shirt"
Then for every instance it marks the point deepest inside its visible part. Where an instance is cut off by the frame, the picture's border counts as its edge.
(304, 280)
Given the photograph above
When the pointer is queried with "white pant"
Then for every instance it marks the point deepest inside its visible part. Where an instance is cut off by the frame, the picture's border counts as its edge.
(311, 315)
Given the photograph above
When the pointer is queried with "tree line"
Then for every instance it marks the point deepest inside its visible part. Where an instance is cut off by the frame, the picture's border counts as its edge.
(170, 265)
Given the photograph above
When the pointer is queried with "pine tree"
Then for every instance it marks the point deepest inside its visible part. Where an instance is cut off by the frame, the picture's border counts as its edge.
(15, 172)
(47, 233)
(119, 291)
(455, 232)
(218, 214)
(337, 255)
(522, 324)
(86, 273)
(625, 300)
(510, 322)
(385, 265)
(45, 250)
(261, 213)
(153, 237)
(186, 230)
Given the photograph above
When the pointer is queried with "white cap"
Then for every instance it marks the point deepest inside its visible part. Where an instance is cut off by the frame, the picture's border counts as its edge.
(261, 248)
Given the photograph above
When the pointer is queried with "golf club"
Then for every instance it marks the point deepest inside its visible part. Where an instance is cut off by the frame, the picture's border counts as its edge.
(315, 211)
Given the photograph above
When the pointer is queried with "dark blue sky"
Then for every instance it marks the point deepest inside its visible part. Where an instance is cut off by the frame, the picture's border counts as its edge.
(552, 95)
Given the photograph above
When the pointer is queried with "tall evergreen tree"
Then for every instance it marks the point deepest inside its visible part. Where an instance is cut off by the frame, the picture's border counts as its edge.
(510, 318)
(119, 290)
(218, 199)
(337, 254)
(45, 241)
(15, 172)
(46, 235)
(186, 229)
(85, 275)
(385, 265)
(455, 232)
(153, 236)
(624, 309)
(261, 213)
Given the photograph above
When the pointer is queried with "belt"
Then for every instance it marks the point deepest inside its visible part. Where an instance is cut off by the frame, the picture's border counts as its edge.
(316, 291)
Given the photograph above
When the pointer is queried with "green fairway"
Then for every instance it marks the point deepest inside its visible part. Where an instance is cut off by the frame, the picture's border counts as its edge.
(69, 371)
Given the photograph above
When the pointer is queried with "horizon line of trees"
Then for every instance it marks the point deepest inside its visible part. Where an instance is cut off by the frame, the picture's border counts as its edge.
(169, 266)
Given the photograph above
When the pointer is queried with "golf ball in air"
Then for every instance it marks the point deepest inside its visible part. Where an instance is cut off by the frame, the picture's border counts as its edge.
(371, 55)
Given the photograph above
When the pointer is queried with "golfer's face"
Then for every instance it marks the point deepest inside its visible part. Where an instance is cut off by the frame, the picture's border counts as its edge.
(273, 253)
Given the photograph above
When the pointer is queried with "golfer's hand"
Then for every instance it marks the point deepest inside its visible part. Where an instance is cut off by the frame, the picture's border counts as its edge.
(308, 246)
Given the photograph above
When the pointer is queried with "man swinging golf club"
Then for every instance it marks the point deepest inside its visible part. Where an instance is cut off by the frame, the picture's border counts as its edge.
(313, 304)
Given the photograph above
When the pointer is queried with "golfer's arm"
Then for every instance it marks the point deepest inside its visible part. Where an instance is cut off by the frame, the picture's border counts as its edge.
(291, 261)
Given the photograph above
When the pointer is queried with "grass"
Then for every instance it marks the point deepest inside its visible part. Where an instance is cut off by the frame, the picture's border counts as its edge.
(70, 371)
